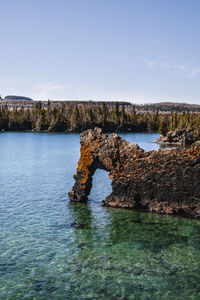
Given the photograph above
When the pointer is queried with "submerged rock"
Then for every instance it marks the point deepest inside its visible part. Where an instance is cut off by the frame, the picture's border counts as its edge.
(162, 181)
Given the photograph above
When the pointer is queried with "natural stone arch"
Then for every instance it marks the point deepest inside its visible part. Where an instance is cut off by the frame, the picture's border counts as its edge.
(164, 181)
(93, 156)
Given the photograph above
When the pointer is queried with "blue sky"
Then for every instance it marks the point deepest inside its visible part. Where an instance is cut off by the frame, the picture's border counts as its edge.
(139, 51)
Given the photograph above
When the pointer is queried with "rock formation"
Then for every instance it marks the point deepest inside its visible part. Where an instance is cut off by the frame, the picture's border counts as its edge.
(179, 137)
(161, 181)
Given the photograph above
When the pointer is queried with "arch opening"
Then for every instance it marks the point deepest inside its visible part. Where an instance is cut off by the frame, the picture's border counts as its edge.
(101, 186)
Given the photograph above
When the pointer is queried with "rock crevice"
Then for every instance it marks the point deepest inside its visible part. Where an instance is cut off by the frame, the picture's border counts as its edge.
(162, 181)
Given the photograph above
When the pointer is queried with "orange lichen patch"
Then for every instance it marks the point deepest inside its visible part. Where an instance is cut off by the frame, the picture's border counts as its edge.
(84, 163)
(86, 159)
(193, 153)
(111, 175)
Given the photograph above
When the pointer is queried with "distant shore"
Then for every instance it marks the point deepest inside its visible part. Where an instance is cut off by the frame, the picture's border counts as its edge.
(77, 116)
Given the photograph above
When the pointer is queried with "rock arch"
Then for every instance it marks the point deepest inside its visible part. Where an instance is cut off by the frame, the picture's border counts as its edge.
(164, 181)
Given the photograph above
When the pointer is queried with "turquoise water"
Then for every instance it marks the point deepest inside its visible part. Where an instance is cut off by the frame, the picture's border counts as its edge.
(52, 249)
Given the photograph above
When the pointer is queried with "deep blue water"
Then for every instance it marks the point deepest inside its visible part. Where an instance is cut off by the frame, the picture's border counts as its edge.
(53, 249)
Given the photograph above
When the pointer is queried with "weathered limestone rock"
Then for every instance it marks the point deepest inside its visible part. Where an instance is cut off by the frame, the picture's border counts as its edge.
(162, 181)
(179, 137)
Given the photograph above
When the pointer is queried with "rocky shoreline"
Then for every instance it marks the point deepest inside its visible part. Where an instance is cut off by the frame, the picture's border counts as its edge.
(161, 181)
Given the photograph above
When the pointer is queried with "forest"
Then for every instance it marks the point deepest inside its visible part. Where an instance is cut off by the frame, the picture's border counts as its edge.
(78, 116)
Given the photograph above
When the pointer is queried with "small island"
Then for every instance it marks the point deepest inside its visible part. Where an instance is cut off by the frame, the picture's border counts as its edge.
(17, 98)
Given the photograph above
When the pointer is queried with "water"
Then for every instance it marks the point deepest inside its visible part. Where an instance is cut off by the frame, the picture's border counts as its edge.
(52, 249)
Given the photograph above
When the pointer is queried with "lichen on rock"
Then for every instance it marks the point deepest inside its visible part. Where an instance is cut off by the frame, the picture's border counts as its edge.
(161, 181)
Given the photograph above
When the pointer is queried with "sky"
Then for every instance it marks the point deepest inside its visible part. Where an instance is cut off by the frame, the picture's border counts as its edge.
(122, 50)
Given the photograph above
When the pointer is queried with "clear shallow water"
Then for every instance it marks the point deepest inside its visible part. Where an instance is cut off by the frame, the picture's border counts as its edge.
(51, 249)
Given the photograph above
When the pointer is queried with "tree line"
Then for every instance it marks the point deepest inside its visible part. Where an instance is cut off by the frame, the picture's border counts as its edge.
(76, 117)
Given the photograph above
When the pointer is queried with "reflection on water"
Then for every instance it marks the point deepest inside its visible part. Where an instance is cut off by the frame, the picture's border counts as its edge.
(53, 249)
(137, 256)
(82, 216)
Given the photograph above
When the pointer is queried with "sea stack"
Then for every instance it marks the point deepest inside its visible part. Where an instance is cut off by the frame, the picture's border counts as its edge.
(160, 181)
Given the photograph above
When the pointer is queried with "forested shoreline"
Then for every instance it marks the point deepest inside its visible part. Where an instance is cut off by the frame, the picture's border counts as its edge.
(78, 116)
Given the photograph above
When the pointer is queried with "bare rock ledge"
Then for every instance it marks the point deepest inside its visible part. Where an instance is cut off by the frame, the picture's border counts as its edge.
(162, 181)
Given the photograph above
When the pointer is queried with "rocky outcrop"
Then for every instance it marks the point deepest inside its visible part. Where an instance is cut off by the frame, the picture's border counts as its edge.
(178, 137)
(161, 181)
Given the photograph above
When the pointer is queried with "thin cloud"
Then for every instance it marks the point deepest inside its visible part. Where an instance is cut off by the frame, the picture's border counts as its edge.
(177, 67)
(186, 71)
(165, 65)
(181, 68)
(193, 73)
(150, 64)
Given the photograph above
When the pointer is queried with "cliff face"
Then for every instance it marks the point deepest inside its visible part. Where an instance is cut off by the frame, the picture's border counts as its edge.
(162, 181)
